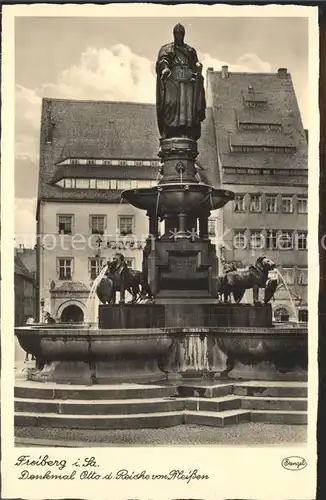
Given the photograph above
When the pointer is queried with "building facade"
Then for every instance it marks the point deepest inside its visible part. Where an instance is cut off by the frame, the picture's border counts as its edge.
(25, 293)
(263, 158)
(252, 143)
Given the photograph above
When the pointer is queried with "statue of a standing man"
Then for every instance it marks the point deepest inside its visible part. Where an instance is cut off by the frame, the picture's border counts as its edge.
(180, 99)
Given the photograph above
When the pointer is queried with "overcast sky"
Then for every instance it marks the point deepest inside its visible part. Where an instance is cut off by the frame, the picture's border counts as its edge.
(112, 59)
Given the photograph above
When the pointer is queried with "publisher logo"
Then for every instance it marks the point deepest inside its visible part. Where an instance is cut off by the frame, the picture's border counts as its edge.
(294, 463)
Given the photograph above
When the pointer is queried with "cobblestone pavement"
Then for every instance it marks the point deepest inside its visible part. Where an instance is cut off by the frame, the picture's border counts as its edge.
(242, 434)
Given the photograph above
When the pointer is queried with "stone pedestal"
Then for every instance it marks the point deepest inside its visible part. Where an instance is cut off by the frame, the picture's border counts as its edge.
(178, 156)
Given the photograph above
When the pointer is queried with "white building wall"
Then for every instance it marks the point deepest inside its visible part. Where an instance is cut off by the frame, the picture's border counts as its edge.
(81, 245)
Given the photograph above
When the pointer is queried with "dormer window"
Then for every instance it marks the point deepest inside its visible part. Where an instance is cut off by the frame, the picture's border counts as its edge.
(250, 88)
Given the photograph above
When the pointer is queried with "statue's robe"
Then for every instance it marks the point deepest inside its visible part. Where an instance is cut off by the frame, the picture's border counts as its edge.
(180, 100)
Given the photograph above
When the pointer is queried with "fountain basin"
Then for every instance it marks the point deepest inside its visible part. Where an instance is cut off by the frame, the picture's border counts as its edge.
(174, 198)
(90, 356)
(240, 353)
(93, 356)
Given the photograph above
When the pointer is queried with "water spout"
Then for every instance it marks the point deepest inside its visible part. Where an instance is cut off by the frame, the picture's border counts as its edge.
(157, 202)
(294, 310)
(195, 355)
(92, 302)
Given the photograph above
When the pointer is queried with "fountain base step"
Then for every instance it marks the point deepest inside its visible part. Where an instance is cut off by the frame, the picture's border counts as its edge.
(33, 390)
(103, 422)
(134, 406)
(217, 419)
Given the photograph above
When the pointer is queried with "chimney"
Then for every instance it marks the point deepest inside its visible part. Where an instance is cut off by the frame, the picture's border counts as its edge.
(282, 72)
(225, 71)
(306, 134)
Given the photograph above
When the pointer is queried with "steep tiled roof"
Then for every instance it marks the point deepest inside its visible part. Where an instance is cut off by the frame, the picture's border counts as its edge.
(227, 96)
(102, 129)
(256, 115)
(21, 269)
(261, 139)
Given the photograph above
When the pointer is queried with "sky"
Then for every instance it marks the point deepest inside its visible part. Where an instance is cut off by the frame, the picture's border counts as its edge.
(113, 59)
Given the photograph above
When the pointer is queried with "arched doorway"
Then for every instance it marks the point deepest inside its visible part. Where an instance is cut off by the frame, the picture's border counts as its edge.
(72, 314)
(282, 315)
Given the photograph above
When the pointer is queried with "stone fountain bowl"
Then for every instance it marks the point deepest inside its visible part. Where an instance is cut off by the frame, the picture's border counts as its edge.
(246, 353)
(86, 355)
(174, 198)
(266, 353)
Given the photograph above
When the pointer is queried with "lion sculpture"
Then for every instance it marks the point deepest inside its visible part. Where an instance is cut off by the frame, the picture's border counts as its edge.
(237, 281)
(120, 278)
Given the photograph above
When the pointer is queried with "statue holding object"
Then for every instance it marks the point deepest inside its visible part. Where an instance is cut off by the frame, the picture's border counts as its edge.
(180, 96)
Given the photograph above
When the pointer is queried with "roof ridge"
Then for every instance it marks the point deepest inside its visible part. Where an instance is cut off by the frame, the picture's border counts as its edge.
(95, 101)
(264, 73)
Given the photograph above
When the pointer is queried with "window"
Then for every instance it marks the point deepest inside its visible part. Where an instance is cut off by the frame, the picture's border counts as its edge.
(240, 240)
(303, 315)
(121, 184)
(90, 162)
(97, 224)
(255, 104)
(130, 261)
(288, 276)
(138, 163)
(303, 276)
(95, 267)
(125, 224)
(74, 161)
(92, 183)
(65, 268)
(122, 163)
(287, 204)
(302, 205)
(68, 183)
(65, 224)
(103, 184)
(285, 240)
(271, 203)
(144, 183)
(281, 315)
(302, 240)
(106, 162)
(212, 226)
(257, 240)
(268, 127)
(239, 204)
(271, 239)
(255, 203)
(82, 183)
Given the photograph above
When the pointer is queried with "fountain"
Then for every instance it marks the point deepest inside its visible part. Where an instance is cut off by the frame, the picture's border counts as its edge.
(184, 342)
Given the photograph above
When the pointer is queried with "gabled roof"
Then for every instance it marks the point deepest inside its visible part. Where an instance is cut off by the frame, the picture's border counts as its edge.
(110, 130)
(21, 269)
(227, 95)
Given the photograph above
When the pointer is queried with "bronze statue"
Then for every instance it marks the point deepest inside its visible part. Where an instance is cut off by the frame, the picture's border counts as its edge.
(254, 277)
(227, 267)
(105, 291)
(180, 99)
(120, 278)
